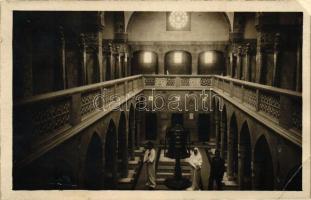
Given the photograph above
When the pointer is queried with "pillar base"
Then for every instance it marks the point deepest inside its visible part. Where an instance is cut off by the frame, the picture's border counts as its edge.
(177, 184)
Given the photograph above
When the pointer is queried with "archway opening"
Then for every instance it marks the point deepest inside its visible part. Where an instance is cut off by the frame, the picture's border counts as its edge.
(233, 148)
(110, 156)
(122, 147)
(263, 166)
(245, 151)
(131, 143)
(224, 138)
(94, 164)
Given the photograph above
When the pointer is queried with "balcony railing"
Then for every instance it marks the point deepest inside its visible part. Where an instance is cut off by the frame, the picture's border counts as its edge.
(40, 118)
(176, 82)
(283, 107)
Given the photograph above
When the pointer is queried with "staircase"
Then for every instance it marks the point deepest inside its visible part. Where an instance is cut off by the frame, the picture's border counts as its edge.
(134, 167)
(229, 184)
(165, 169)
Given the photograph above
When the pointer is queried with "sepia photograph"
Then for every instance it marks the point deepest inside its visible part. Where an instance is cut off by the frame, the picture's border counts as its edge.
(151, 100)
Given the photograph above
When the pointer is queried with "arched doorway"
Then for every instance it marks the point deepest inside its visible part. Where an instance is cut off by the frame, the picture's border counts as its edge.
(224, 140)
(263, 166)
(122, 147)
(233, 148)
(245, 151)
(131, 143)
(94, 167)
(111, 156)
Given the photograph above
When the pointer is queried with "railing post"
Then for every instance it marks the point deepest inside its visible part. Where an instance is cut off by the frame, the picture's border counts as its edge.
(231, 89)
(242, 91)
(75, 110)
(257, 100)
(286, 110)
(125, 87)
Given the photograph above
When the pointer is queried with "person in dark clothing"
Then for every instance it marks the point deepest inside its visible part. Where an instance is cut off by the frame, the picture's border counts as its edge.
(217, 171)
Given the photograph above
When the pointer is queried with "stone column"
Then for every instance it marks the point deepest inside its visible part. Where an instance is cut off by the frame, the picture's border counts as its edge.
(241, 158)
(124, 171)
(276, 62)
(125, 65)
(239, 63)
(161, 57)
(100, 58)
(138, 129)
(216, 118)
(83, 59)
(132, 127)
(259, 64)
(230, 156)
(112, 62)
(62, 56)
(231, 66)
(105, 66)
(194, 63)
(247, 70)
(222, 133)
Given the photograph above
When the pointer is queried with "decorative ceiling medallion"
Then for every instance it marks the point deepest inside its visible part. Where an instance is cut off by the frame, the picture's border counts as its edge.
(178, 21)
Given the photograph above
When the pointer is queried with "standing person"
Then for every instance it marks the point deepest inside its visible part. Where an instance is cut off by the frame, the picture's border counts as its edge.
(217, 171)
(195, 162)
(149, 158)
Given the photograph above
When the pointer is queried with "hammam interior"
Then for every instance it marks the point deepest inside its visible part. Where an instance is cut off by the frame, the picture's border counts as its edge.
(157, 100)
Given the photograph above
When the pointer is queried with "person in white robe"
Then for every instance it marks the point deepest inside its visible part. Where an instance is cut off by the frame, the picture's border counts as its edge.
(195, 162)
(149, 159)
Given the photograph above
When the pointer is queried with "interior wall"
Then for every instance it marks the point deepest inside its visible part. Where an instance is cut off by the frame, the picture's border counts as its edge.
(216, 66)
(151, 26)
(140, 67)
(108, 30)
(249, 28)
(184, 67)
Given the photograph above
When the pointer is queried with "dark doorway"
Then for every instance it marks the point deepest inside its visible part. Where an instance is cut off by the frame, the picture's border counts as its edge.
(204, 122)
(263, 166)
(151, 126)
(177, 118)
(131, 136)
(122, 146)
(94, 164)
(233, 146)
(224, 140)
(245, 149)
(110, 156)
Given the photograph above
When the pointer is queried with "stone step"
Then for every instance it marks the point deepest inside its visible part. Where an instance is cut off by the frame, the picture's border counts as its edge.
(169, 163)
(170, 174)
(139, 152)
(134, 163)
(160, 181)
(127, 182)
(171, 168)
